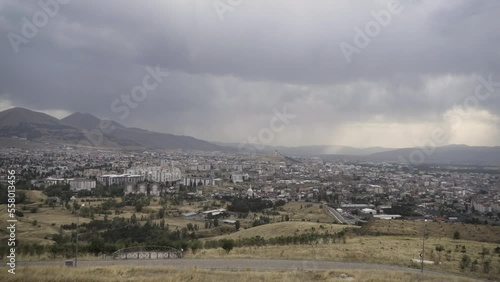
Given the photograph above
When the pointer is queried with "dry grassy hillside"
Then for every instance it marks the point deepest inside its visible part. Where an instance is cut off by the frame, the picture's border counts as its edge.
(149, 274)
(481, 233)
(391, 250)
(299, 211)
(288, 228)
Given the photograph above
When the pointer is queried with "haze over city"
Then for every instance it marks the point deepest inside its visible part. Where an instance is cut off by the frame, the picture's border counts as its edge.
(230, 69)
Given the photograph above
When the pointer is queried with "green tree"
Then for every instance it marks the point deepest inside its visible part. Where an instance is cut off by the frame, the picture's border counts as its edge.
(28, 249)
(473, 266)
(227, 245)
(216, 222)
(439, 249)
(456, 235)
(484, 252)
(486, 265)
(39, 249)
(464, 262)
(138, 206)
(237, 225)
(161, 213)
(96, 246)
(196, 245)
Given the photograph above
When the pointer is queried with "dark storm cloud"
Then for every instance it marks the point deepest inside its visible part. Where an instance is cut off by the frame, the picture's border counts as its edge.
(227, 76)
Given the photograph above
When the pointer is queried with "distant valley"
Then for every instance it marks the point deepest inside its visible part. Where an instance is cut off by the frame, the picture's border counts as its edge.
(87, 130)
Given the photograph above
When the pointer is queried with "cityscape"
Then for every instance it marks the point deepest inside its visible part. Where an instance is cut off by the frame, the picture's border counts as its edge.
(233, 140)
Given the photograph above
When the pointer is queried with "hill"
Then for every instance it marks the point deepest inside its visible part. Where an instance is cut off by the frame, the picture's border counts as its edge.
(450, 154)
(314, 150)
(150, 139)
(24, 123)
(332, 149)
(125, 136)
(288, 228)
(86, 121)
(17, 116)
(40, 127)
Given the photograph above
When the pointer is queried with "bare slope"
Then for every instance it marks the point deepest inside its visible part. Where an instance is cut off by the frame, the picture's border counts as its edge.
(288, 228)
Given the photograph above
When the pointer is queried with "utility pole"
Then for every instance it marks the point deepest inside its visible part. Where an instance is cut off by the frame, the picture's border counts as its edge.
(77, 226)
(423, 247)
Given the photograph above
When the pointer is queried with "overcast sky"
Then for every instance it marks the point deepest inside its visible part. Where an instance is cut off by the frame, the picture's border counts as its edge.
(357, 73)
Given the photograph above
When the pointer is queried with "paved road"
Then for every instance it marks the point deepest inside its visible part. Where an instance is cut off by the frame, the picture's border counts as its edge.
(336, 215)
(258, 264)
(236, 263)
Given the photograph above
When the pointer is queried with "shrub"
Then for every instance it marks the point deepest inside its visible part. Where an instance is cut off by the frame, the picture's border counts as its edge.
(464, 262)
(486, 266)
(473, 266)
(228, 245)
(196, 245)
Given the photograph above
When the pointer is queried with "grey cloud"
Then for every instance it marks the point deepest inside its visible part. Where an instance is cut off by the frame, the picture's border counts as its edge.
(228, 76)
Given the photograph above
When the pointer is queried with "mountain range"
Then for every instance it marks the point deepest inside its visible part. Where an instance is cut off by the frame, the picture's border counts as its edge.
(88, 130)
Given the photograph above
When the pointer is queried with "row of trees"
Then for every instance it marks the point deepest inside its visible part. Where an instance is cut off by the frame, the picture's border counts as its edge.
(113, 239)
(246, 205)
(302, 239)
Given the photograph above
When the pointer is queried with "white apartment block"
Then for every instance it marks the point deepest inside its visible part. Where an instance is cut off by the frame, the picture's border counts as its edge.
(79, 184)
(195, 181)
(55, 181)
(238, 177)
(159, 174)
(119, 179)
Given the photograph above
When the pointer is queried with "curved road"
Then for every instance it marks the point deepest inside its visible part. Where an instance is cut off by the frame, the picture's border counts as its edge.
(332, 212)
(239, 263)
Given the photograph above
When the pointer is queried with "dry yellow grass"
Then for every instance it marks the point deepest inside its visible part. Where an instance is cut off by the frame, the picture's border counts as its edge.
(482, 233)
(148, 274)
(27, 232)
(35, 196)
(284, 229)
(308, 212)
(182, 222)
(391, 250)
